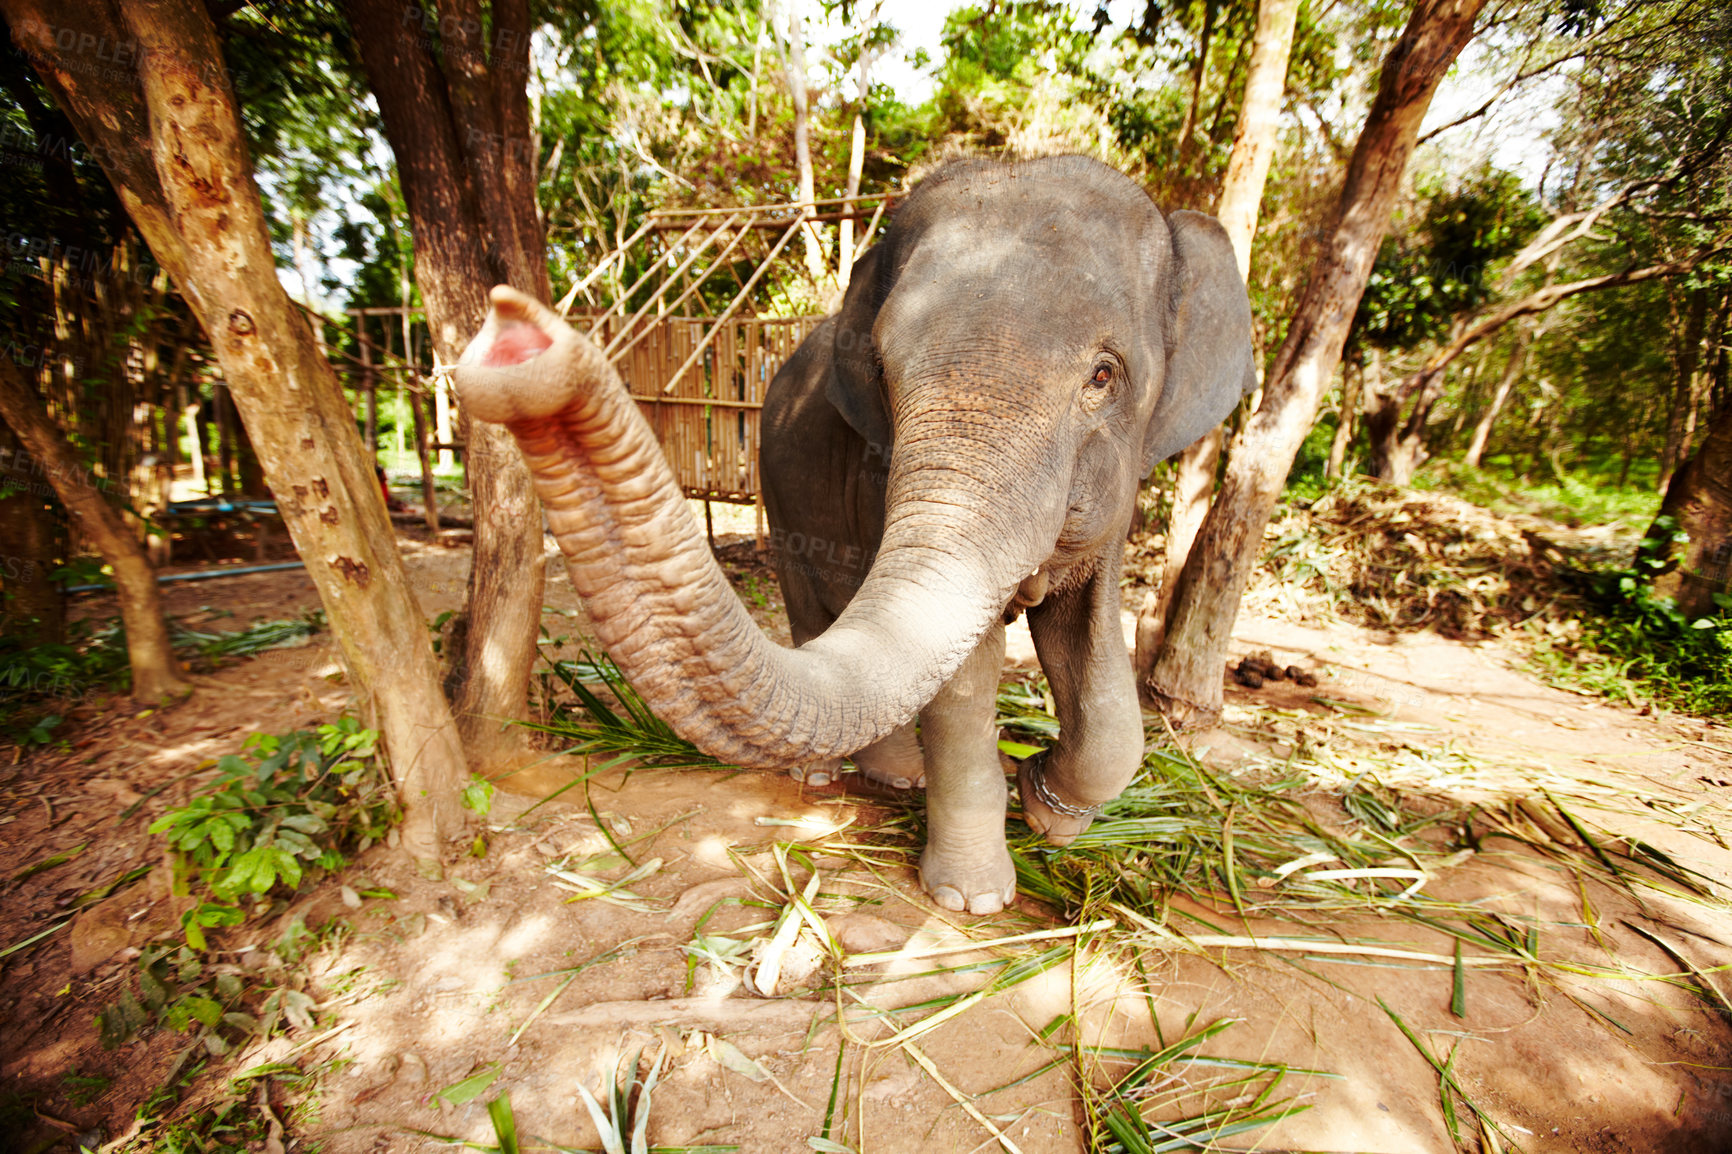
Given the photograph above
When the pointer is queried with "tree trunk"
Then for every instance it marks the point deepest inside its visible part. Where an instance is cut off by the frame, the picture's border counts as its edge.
(795, 60)
(423, 454)
(1193, 485)
(458, 122)
(155, 673)
(1352, 382)
(1699, 499)
(33, 606)
(1512, 372)
(1241, 197)
(1186, 679)
(856, 155)
(1684, 361)
(192, 195)
(1403, 451)
(1254, 142)
(1203, 39)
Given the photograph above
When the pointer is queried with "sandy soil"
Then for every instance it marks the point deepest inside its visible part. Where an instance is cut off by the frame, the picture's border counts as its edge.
(470, 974)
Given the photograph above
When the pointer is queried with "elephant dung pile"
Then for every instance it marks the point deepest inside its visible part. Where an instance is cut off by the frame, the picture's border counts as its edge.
(1399, 559)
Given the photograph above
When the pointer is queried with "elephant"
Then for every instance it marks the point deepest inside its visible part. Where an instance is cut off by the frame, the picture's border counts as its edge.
(962, 441)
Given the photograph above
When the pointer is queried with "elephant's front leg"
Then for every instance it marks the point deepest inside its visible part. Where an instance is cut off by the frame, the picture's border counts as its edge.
(965, 865)
(1082, 651)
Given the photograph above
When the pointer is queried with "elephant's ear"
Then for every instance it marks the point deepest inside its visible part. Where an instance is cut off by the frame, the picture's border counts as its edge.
(855, 387)
(1207, 339)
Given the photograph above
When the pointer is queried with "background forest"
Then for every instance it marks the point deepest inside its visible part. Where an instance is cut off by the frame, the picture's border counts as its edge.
(1488, 249)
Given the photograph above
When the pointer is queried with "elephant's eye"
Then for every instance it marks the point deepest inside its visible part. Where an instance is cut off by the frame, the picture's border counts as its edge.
(1103, 375)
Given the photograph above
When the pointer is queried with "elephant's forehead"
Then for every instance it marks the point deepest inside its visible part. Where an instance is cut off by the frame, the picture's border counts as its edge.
(1040, 285)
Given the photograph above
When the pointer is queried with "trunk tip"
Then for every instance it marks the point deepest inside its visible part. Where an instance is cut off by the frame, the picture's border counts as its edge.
(524, 364)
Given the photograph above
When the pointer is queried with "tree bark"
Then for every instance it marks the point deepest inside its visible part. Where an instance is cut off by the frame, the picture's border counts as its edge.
(1203, 40)
(1241, 198)
(1512, 372)
(1352, 384)
(1186, 679)
(458, 122)
(155, 673)
(1682, 408)
(1254, 142)
(795, 60)
(856, 154)
(1699, 499)
(1193, 485)
(169, 138)
(34, 607)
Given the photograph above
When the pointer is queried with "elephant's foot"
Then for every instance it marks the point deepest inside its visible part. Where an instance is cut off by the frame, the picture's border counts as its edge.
(894, 761)
(823, 771)
(980, 880)
(1047, 813)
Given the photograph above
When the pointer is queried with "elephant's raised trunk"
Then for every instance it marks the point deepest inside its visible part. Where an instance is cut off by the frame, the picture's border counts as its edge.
(662, 607)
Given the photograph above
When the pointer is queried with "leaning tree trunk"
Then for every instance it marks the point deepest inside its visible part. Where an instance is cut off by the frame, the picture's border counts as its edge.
(1699, 501)
(33, 606)
(1186, 679)
(458, 123)
(1685, 357)
(155, 673)
(1512, 372)
(1241, 197)
(1352, 378)
(192, 195)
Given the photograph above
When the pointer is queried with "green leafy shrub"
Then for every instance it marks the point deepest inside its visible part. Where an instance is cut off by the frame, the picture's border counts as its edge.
(1635, 643)
(94, 658)
(302, 802)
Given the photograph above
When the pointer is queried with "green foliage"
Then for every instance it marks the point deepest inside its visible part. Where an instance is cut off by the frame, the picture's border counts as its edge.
(1584, 496)
(1440, 269)
(177, 989)
(1637, 644)
(253, 830)
(93, 658)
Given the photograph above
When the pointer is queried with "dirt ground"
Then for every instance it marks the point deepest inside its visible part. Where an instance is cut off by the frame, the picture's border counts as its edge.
(498, 970)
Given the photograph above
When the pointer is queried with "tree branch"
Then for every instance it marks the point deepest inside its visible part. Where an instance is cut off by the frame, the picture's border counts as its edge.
(1543, 299)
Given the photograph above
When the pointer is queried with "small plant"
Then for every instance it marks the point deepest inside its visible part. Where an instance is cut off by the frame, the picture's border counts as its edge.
(1635, 643)
(253, 831)
(178, 990)
(83, 1089)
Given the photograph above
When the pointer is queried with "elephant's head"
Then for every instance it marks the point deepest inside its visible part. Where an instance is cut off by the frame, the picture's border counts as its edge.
(1030, 339)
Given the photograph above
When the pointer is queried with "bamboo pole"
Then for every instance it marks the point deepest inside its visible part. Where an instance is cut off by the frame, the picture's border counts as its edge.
(681, 299)
(565, 302)
(662, 288)
(733, 306)
(618, 306)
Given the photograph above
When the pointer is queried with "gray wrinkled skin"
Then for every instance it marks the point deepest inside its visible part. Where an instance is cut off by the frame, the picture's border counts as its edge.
(1025, 343)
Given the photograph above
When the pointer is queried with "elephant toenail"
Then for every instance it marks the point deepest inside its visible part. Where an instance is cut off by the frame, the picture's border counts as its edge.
(986, 904)
(949, 899)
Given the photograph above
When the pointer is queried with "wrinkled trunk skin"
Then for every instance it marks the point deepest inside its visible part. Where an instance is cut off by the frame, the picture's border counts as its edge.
(664, 610)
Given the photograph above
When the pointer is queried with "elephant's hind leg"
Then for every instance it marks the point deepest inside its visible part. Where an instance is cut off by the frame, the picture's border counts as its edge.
(965, 865)
(894, 761)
